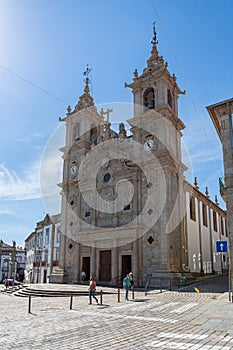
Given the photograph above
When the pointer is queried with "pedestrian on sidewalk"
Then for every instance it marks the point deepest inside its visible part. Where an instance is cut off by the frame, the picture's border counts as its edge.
(131, 279)
(92, 289)
(126, 284)
(83, 274)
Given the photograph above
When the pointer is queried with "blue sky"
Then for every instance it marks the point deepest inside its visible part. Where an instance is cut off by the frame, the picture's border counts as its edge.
(44, 49)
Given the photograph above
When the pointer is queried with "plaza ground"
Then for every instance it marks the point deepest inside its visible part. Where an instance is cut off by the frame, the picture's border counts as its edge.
(168, 320)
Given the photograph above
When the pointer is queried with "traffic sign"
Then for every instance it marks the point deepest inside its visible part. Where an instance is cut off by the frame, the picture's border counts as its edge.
(221, 246)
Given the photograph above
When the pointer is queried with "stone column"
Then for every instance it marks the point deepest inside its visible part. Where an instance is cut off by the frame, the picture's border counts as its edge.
(93, 267)
(211, 240)
(200, 236)
(114, 263)
(227, 144)
(77, 263)
(135, 261)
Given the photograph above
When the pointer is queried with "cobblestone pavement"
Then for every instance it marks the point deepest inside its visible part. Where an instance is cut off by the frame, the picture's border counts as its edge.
(168, 320)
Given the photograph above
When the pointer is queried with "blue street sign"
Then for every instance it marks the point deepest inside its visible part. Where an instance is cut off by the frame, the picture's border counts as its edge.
(221, 246)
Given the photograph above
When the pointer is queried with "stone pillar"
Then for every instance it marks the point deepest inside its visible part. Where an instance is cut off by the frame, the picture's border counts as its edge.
(93, 269)
(227, 144)
(200, 236)
(77, 264)
(211, 240)
(115, 272)
(138, 103)
(135, 261)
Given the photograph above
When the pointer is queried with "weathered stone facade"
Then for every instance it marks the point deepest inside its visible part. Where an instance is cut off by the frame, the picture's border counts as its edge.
(124, 196)
(221, 114)
(138, 183)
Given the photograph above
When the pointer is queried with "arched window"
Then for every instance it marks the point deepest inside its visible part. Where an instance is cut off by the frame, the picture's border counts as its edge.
(75, 132)
(149, 98)
(94, 134)
(169, 98)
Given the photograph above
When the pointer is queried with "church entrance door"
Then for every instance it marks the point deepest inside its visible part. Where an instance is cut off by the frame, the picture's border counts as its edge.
(45, 276)
(105, 274)
(126, 265)
(86, 267)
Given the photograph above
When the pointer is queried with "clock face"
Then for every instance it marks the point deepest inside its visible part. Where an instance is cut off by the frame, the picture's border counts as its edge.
(149, 145)
(73, 169)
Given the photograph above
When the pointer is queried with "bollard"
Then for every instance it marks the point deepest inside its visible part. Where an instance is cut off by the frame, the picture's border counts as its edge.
(145, 292)
(71, 301)
(160, 287)
(119, 295)
(132, 293)
(29, 303)
(101, 297)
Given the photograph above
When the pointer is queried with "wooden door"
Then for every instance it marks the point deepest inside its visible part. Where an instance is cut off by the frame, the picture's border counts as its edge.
(45, 276)
(126, 265)
(105, 271)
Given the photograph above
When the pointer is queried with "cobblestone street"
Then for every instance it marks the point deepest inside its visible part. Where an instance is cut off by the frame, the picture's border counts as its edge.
(168, 320)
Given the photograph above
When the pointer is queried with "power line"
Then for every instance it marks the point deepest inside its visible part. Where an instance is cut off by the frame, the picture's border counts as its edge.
(191, 98)
(33, 84)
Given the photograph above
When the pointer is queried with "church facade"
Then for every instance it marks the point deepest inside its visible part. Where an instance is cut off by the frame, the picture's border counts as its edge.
(124, 197)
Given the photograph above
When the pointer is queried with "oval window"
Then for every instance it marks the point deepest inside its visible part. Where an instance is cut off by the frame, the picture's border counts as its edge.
(107, 177)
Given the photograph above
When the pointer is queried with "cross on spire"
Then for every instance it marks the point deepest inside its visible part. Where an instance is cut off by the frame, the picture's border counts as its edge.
(87, 80)
(154, 41)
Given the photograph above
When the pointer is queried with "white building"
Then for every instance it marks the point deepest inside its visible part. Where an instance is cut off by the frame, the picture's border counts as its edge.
(42, 249)
(205, 225)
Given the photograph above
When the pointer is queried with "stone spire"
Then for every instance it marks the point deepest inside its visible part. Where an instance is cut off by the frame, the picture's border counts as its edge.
(207, 192)
(154, 40)
(155, 59)
(196, 183)
(86, 100)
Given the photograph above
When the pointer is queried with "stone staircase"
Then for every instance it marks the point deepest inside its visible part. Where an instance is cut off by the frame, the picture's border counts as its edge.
(42, 292)
(12, 289)
(51, 290)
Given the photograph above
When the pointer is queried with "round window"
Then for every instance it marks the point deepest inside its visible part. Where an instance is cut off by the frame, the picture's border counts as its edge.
(107, 177)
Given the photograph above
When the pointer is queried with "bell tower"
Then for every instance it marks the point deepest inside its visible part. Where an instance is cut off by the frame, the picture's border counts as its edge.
(84, 130)
(155, 88)
(156, 125)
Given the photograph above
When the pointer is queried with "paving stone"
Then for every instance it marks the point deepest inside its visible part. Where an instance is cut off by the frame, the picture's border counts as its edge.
(169, 320)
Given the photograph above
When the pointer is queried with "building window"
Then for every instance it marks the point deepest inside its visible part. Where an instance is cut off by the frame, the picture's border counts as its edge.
(56, 254)
(58, 235)
(149, 98)
(215, 221)
(94, 135)
(107, 177)
(127, 207)
(47, 236)
(76, 132)
(87, 214)
(221, 226)
(192, 209)
(226, 230)
(204, 214)
(169, 98)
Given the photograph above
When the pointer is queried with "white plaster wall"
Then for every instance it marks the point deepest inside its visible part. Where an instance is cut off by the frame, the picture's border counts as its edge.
(193, 239)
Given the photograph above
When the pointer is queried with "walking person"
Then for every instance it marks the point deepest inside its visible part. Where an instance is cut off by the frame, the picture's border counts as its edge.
(83, 274)
(131, 279)
(126, 283)
(92, 289)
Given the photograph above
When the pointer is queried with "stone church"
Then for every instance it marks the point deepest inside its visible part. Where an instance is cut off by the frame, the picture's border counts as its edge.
(123, 195)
